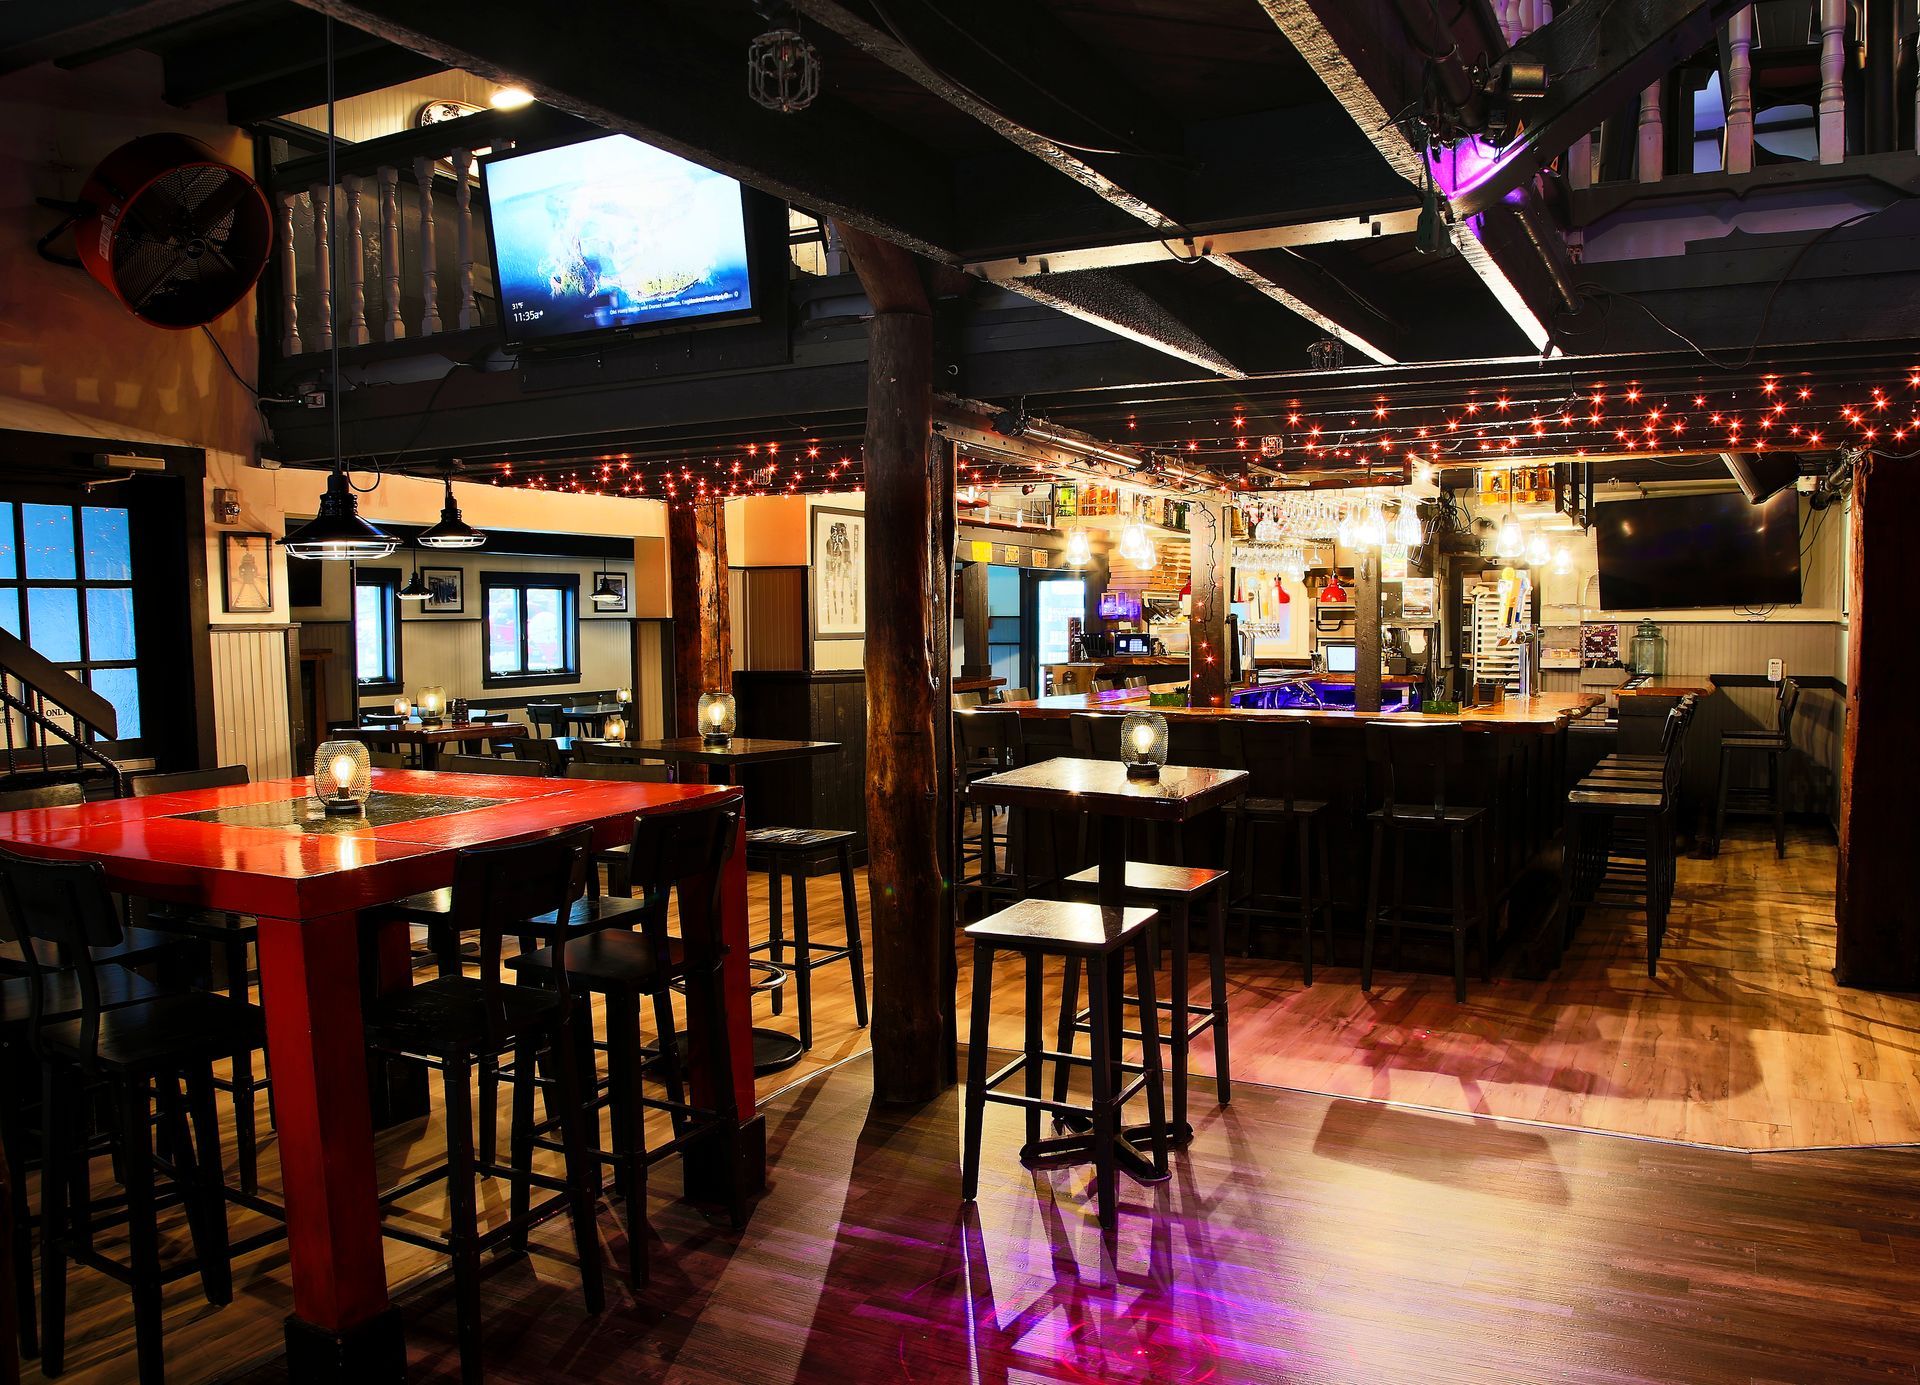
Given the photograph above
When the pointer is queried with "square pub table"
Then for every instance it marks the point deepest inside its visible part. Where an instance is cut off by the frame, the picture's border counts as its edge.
(1103, 790)
(741, 750)
(261, 849)
(431, 738)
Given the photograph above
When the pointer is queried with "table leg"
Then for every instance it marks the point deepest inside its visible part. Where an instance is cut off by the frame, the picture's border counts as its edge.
(342, 1327)
(730, 1164)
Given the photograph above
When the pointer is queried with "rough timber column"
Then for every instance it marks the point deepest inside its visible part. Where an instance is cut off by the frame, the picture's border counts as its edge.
(702, 636)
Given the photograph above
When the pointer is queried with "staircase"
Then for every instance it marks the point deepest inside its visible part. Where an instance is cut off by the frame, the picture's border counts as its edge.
(52, 720)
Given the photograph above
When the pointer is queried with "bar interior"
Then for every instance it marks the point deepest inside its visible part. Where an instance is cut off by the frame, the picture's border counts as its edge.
(1094, 690)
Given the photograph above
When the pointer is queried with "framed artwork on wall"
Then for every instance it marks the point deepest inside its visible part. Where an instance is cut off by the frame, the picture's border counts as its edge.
(837, 589)
(447, 590)
(616, 581)
(246, 573)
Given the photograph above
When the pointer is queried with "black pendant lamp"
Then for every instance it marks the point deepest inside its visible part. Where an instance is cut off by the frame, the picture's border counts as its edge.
(415, 589)
(337, 533)
(452, 531)
(604, 589)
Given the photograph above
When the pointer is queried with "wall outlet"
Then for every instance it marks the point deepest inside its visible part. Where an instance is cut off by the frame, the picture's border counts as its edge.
(1776, 670)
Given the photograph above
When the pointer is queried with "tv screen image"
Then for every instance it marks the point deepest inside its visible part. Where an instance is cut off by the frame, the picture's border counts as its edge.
(1698, 550)
(612, 234)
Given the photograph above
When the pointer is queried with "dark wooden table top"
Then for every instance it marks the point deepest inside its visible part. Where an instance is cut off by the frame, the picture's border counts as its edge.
(413, 733)
(595, 709)
(1104, 787)
(740, 750)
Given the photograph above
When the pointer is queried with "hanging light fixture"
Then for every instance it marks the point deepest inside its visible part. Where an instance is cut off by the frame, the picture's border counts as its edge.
(1538, 554)
(1511, 542)
(1371, 531)
(1563, 559)
(452, 531)
(783, 70)
(605, 591)
(1079, 547)
(337, 533)
(415, 589)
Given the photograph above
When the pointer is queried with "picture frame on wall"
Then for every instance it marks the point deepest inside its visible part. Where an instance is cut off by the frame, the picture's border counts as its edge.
(447, 590)
(837, 591)
(618, 581)
(246, 573)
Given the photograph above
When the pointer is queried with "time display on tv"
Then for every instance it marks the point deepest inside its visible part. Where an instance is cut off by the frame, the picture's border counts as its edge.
(613, 234)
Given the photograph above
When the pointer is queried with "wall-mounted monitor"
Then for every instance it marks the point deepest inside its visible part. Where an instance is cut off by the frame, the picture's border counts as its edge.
(613, 235)
(1698, 550)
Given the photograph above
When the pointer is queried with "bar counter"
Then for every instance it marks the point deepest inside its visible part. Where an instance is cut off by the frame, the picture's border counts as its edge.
(1541, 714)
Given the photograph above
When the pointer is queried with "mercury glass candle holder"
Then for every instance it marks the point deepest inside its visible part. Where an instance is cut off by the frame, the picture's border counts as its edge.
(403, 706)
(716, 717)
(624, 696)
(1143, 744)
(614, 728)
(432, 705)
(342, 777)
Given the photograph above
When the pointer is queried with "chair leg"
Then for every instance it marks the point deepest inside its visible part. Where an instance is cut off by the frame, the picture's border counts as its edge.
(1398, 840)
(520, 1146)
(802, 959)
(143, 1232)
(1143, 976)
(20, 1247)
(1181, 992)
(976, 1070)
(856, 961)
(670, 1075)
(1720, 800)
(1105, 1118)
(1458, 841)
(1035, 1042)
(245, 1151)
(583, 1171)
(776, 932)
(1069, 1009)
(211, 1246)
(1777, 791)
(1483, 906)
(463, 1220)
(58, 1148)
(1326, 884)
(1217, 967)
(1373, 907)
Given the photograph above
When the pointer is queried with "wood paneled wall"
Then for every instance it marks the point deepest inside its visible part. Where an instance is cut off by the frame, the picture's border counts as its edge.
(770, 606)
(250, 698)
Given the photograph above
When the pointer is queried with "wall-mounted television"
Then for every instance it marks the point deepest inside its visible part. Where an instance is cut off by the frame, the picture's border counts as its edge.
(613, 235)
(1698, 550)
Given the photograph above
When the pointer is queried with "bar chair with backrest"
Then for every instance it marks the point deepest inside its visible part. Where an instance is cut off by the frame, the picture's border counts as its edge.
(454, 1022)
(1626, 816)
(1774, 747)
(490, 764)
(1275, 753)
(1406, 753)
(106, 1037)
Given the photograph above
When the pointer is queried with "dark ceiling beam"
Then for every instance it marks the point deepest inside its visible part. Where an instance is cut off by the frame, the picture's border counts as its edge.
(1597, 58)
(1107, 299)
(1362, 51)
(1139, 181)
(675, 91)
(72, 32)
(216, 65)
(372, 70)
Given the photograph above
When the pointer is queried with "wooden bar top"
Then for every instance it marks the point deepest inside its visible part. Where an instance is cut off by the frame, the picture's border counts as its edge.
(1678, 686)
(1538, 715)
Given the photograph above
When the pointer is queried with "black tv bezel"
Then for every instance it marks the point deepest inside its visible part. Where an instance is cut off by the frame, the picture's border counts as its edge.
(517, 345)
(1799, 563)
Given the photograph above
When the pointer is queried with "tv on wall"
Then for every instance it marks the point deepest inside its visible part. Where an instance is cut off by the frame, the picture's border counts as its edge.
(611, 234)
(1698, 550)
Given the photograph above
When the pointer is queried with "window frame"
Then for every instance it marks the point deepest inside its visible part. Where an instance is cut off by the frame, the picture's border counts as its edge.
(568, 585)
(388, 580)
(80, 584)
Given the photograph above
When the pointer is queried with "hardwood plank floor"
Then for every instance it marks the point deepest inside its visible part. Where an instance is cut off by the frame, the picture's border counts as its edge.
(1743, 1041)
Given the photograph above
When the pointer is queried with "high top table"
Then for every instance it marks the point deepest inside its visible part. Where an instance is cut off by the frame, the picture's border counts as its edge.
(740, 750)
(1103, 790)
(251, 849)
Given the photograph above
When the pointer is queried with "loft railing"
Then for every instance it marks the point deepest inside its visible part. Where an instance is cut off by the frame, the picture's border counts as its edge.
(1783, 83)
(47, 707)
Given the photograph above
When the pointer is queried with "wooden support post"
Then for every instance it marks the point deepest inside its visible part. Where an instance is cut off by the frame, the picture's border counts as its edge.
(1208, 658)
(1366, 630)
(909, 778)
(1875, 906)
(975, 660)
(702, 636)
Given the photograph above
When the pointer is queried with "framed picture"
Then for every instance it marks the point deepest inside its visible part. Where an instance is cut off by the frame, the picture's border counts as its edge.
(838, 589)
(246, 573)
(618, 581)
(447, 588)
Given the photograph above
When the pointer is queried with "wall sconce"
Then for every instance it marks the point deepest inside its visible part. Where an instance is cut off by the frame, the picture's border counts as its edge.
(716, 718)
(1143, 744)
(342, 778)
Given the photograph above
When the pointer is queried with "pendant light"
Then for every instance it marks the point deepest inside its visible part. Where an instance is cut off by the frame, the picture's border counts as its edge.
(452, 531)
(415, 589)
(604, 591)
(1079, 547)
(1511, 542)
(337, 533)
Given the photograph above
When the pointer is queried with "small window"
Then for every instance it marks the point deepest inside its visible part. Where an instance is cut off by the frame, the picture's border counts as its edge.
(533, 628)
(376, 630)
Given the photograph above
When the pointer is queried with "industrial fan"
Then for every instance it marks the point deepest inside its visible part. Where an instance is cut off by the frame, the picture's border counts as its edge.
(175, 234)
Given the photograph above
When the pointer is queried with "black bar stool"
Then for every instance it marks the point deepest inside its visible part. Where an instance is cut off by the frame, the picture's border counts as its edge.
(985, 742)
(103, 1034)
(1627, 812)
(1175, 893)
(1773, 746)
(1405, 752)
(451, 1022)
(794, 852)
(628, 967)
(1099, 938)
(1273, 754)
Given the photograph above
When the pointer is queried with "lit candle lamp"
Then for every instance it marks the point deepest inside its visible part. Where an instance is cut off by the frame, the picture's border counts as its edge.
(614, 728)
(624, 696)
(433, 702)
(402, 707)
(715, 715)
(1143, 744)
(342, 778)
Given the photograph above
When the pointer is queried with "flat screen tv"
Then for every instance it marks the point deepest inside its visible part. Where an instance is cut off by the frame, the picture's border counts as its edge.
(611, 234)
(1698, 550)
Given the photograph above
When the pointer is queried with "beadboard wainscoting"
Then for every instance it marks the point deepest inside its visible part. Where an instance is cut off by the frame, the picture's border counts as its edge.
(253, 723)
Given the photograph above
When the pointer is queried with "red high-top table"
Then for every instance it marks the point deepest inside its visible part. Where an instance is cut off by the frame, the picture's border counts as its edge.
(306, 888)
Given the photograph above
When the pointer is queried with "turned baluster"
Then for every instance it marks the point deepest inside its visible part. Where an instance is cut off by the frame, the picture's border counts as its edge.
(390, 250)
(429, 268)
(1652, 147)
(463, 234)
(356, 263)
(1833, 91)
(1737, 150)
(318, 198)
(289, 284)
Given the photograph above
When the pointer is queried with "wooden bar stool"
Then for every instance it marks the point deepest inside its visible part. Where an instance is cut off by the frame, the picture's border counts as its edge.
(1404, 752)
(1175, 893)
(794, 852)
(1273, 753)
(1099, 938)
(1773, 746)
(1629, 816)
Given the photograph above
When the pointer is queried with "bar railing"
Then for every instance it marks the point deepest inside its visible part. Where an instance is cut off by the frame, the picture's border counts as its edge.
(44, 708)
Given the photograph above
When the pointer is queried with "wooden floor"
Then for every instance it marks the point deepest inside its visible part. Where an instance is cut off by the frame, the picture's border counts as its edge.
(1743, 1041)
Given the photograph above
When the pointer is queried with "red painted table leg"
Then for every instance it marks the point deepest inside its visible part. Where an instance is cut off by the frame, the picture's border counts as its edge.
(342, 1326)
